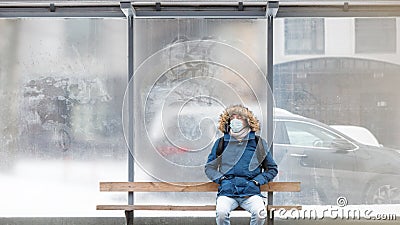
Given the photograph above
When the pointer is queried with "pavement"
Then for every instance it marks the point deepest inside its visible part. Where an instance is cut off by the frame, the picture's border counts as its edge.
(171, 221)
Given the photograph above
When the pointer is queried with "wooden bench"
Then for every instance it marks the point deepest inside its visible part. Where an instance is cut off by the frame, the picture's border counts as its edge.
(185, 187)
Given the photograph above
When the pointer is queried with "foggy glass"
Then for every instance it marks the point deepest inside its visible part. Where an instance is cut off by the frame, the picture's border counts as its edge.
(341, 86)
(62, 85)
(186, 72)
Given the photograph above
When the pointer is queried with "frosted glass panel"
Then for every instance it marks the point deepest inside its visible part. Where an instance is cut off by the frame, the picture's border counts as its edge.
(187, 72)
(62, 86)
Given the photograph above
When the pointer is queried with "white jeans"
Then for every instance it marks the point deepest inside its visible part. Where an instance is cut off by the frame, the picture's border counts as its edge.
(254, 205)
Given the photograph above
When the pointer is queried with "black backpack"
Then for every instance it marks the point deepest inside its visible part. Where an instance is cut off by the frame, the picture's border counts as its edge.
(260, 151)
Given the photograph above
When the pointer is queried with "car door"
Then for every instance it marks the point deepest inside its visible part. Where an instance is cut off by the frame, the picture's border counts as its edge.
(289, 162)
(328, 157)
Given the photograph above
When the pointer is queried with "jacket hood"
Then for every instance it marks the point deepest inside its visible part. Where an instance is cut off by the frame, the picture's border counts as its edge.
(238, 110)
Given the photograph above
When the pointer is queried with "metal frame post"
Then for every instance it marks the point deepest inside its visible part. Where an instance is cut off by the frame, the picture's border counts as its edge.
(131, 173)
(272, 9)
(270, 122)
(129, 12)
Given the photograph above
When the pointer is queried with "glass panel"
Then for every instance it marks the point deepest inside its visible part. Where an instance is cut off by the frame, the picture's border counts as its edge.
(357, 158)
(62, 86)
(188, 71)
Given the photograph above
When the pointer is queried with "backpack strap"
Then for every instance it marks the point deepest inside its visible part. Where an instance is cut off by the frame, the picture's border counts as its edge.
(260, 151)
(221, 146)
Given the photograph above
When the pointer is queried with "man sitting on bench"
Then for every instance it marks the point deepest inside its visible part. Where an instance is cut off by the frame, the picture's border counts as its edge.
(240, 163)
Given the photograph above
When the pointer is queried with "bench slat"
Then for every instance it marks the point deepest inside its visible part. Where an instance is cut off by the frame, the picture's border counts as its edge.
(181, 207)
(157, 207)
(187, 187)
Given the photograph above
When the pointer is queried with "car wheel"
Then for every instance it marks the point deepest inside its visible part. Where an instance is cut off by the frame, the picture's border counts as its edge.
(384, 191)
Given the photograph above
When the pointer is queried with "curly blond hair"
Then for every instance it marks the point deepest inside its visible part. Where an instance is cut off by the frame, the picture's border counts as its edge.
(238, 110)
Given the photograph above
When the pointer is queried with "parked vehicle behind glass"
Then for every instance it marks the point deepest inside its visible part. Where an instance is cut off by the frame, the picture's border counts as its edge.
(330, 164)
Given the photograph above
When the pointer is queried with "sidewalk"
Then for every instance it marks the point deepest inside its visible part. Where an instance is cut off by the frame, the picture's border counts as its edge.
(172, 220)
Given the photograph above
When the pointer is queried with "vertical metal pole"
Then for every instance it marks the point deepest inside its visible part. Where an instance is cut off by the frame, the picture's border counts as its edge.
(270, 103)
(131, 172)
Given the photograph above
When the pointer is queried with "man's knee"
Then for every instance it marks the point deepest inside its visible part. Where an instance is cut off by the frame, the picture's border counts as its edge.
(222, 213)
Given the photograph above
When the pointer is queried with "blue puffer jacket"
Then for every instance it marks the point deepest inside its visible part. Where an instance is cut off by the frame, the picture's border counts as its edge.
(238, 166)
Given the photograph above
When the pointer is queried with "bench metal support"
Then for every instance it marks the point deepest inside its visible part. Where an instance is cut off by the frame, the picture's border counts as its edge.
(129, 217)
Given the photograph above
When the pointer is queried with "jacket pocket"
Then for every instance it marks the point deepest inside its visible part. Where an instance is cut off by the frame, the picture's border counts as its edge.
(226, 187)
(251, 189)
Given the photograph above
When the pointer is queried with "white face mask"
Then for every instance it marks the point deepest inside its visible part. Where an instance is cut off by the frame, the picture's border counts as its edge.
(236, 125)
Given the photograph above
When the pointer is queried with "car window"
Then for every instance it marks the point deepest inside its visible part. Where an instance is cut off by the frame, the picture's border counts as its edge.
(280, 134)
(360, 134)
(310, 135)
